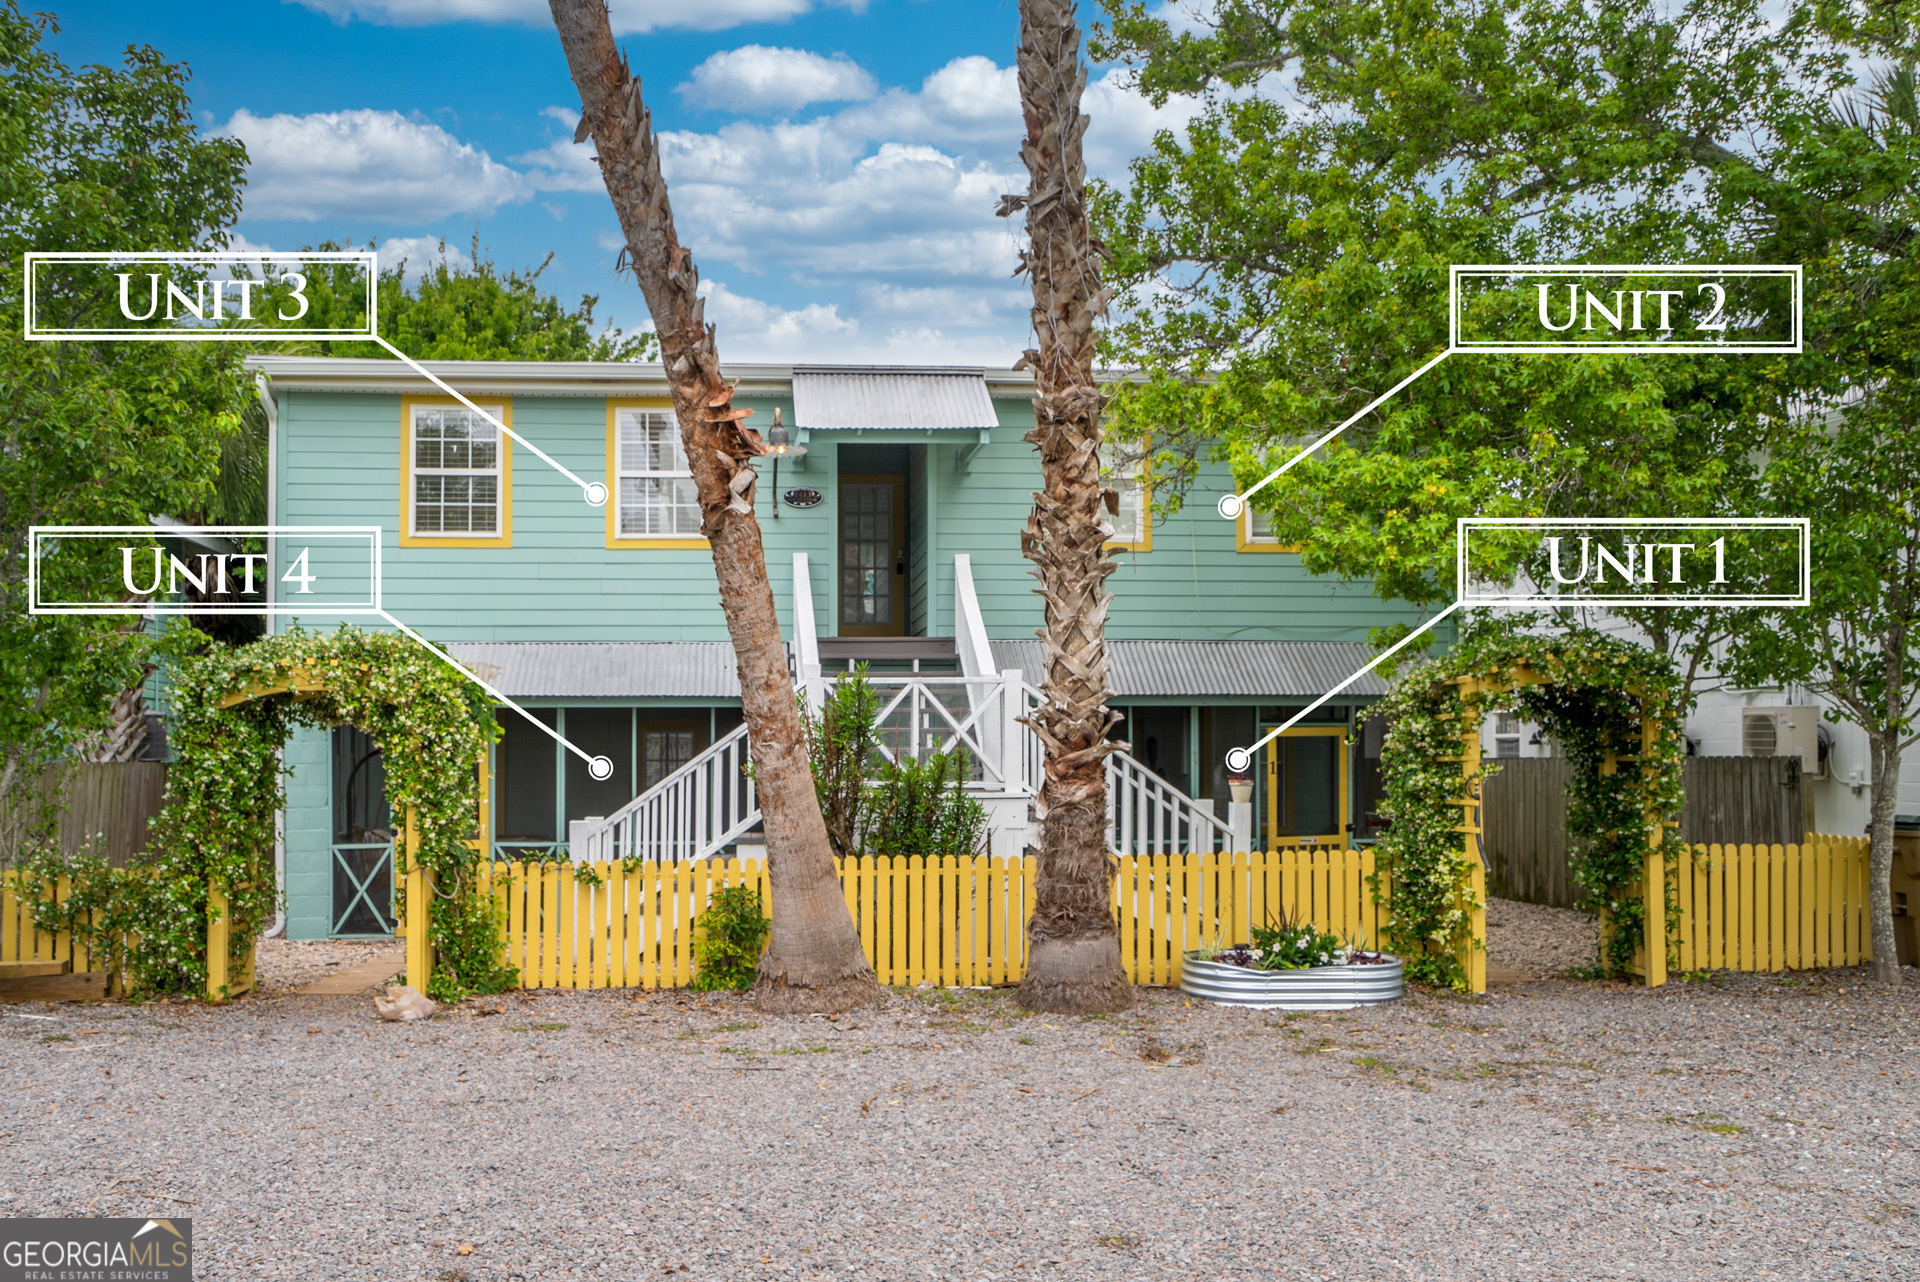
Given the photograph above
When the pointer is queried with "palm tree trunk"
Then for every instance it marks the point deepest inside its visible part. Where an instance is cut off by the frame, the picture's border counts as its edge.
(1074, 955)
(814, 961)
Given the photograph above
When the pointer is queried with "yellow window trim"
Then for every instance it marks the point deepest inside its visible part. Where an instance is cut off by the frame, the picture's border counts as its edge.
(1243, 540)
(410, 540)
(614, 538)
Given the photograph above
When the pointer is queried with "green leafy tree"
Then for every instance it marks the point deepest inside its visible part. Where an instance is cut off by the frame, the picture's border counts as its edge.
(1287, 259)
(469, 311)
(94, 433)
(1286, 262)
(1840, 192)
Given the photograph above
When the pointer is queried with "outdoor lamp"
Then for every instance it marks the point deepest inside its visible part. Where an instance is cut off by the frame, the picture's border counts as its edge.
(779, 446)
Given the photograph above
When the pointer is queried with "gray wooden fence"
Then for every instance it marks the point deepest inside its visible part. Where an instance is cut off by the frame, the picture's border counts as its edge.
(108, 805)
(1730, 800)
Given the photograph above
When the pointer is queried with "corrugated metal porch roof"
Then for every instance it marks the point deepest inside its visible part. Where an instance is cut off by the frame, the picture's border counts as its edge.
(603, 669)
(1223, 669)
(705, 669)
(875, 398)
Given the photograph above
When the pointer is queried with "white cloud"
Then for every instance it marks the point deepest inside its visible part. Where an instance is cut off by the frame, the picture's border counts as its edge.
(376, 165)
(421, 254)
(761, 78)
(628, 16)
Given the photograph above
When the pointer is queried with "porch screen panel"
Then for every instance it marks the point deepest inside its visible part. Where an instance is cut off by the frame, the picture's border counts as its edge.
(604, 732)
(363, 835)
(456, 472)
(1309, 786)
(656, 490)
(866, 554)
(525, 782)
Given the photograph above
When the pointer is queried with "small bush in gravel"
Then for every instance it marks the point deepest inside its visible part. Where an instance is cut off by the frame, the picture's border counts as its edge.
(728, 940)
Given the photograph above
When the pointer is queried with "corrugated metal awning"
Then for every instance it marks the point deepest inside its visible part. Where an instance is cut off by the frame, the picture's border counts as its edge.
(706, 669)
(603, 669)
(925, 400)
(1220, 669)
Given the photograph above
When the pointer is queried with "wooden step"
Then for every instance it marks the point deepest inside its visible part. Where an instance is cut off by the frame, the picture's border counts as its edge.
(33, 969)
(87, 986)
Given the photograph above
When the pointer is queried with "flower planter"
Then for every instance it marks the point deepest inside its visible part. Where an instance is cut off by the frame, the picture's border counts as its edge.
(1316, 988)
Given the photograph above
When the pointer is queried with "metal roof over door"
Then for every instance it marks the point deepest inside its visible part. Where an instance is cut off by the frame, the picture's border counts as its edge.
(924, 400)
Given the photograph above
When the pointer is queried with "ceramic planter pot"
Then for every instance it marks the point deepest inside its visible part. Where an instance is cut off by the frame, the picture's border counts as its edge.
(1316, 988)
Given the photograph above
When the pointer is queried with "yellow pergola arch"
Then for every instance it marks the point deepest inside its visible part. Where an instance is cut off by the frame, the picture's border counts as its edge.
(301, 686)
(1472, 827)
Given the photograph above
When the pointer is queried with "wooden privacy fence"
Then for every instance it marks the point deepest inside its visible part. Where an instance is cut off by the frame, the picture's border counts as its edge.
(947, 920)
(28, 951)
(1729, 800)
(1770, 908)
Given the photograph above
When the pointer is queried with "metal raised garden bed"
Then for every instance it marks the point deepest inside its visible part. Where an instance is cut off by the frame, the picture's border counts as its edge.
(1316, 988)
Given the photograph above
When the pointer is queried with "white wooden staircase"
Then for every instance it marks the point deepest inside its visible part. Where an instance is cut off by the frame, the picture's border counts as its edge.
(709, 804)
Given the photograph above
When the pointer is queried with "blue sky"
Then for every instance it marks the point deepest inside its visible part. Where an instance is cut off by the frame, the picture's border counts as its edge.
(833, 165)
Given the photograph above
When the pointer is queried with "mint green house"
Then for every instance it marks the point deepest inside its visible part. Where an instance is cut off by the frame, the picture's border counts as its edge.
(893, 540)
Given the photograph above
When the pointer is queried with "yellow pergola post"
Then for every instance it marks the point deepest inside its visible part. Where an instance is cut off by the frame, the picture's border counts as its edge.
(419, 908)
(219, 942)
(1473, 953)
(1654, 879)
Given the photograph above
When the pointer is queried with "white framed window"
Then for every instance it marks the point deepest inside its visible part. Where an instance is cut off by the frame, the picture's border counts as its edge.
(1132, 526)
(653, 485)
(1506, 734)
(456, 473)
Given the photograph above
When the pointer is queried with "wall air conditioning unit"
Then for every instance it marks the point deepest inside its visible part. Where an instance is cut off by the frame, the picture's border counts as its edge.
(1784, 732)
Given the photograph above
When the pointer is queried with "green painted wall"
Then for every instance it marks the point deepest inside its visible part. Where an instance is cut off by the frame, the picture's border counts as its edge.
(339, 464)
(309, 836)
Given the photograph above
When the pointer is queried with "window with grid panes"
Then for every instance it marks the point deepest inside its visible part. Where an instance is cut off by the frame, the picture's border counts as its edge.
(656, 490)
(455, 471)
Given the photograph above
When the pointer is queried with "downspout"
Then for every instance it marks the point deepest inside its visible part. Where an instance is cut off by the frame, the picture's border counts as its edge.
(265, 392)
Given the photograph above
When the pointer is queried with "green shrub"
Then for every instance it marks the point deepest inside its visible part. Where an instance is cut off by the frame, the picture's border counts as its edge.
(922, 808)
(841, 743)
(728, 939)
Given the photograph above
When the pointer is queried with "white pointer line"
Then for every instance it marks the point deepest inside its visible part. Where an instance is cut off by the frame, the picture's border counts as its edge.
(1232, 505)
(1239, 759)
(596, 493)
(598, 767)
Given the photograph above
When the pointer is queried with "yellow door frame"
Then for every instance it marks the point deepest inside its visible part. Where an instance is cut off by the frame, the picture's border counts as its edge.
(1343, 816)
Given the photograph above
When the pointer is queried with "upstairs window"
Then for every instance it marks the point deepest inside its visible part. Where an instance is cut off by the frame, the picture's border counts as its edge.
(655, 500)
(457, 474)
(1132, 524)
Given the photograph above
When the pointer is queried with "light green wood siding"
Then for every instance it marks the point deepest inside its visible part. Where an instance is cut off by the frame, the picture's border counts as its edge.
(309, 835)
(340, 457)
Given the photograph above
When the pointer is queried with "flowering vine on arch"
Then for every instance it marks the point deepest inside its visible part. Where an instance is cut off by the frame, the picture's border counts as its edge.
(232, 711)
(1614, 709)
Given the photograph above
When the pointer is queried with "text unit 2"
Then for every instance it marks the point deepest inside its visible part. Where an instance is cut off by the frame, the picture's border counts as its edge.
(1641, 308)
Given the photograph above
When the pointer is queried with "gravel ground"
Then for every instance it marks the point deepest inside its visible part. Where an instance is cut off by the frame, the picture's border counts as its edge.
(1539, 941)
(281, 964)
(1750, 1127)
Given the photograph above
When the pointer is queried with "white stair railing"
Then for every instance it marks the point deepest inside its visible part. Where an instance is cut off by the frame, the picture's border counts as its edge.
(709, 803)
(1146, 815)
(695, 812)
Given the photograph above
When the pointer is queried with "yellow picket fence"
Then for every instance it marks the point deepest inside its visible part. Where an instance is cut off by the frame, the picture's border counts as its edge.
(21, 941)
(1770, 908)
(948, 920)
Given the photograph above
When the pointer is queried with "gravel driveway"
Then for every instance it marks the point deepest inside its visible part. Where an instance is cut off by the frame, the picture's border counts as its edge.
(1753, 1127)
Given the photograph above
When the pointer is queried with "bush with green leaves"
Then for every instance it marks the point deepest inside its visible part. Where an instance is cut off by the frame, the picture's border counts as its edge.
(728, 938)
(842, 746)
(923, 808)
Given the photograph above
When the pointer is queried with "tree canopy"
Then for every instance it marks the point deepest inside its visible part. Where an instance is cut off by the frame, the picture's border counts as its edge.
(96, 433)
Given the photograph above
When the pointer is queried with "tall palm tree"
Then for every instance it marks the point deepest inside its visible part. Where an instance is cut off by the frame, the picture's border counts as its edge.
(814, 961)
(1074, 954)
